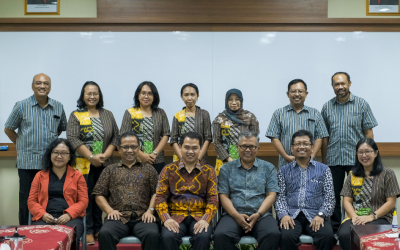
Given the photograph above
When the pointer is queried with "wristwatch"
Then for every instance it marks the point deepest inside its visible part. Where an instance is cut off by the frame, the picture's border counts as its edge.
(375, 215)
(154, 152)
(321, 214)
(151, 209)
(90, 157)
(261, 215)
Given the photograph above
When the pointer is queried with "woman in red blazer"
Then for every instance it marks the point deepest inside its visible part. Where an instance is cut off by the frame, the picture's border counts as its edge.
(59, 194)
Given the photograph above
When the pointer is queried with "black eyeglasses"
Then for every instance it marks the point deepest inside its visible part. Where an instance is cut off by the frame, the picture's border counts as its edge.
(127, 147)
(62, 154)
(245, 147)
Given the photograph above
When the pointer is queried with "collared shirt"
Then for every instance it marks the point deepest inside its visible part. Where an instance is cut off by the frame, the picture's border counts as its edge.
(286, 121)
(346, 124)
(127, 189)
(37, 128)
(180, 193)
(248, 188)
(308, 190)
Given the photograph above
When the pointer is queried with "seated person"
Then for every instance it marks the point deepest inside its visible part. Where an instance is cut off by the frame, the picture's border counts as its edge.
(247, 190)
(306, 199)
(187, 197)
(369, 192)
(58, 193)
(126, 191)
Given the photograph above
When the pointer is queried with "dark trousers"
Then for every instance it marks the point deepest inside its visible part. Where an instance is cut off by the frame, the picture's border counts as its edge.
(344, 232)
(228, 233)
(93, 211)
(77, 222)
(199, 241)
(159, 167)
(25, 180)
(114, 230)
(323, 239)
(338, 176)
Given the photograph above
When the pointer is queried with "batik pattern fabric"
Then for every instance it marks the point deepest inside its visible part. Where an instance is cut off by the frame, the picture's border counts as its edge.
(180, 193)
(148, 135)
(185, 124)
(98, 135)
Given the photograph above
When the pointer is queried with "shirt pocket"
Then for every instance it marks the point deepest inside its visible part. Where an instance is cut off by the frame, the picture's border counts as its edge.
(54, 122)
(354, 120)
(315, 187)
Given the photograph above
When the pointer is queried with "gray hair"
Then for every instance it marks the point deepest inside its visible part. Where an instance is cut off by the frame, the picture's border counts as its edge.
(249, 134)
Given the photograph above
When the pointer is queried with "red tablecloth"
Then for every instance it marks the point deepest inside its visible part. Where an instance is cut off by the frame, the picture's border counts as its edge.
(44, 237)
(377, 241)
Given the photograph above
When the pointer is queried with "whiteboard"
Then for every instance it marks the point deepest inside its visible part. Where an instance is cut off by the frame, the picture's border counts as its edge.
(261, 64)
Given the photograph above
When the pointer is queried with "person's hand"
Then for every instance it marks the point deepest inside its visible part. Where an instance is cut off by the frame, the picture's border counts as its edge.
(48, 218)
(316, 223)
(145, 158)
(148, 217)
(153, 156)
(362, 220)
(252, 221)
(229, 159)
(287, 222)
(172, 225)
(114, 215)
(63, 219)
(241, 219)
(96, 161)
(289, 158)
(199, 226)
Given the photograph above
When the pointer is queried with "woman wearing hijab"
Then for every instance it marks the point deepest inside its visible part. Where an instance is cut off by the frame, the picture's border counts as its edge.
(227, 126)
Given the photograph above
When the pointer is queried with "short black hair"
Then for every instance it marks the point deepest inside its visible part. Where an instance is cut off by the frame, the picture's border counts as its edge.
(358, 169)
(81, 101)
(339, 73)
(46, 159)
(127, 134)
(192, 135)
(190, 85)
(292, 82)
(156, 100)
(302, 133)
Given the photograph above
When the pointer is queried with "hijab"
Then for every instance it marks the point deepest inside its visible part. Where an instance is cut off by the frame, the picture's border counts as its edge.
(240, 115)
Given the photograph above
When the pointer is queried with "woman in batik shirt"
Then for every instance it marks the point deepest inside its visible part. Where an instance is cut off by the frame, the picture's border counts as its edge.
(369, 192)
(93, 133)
(150, 123)
(227, 126)
(191, 119)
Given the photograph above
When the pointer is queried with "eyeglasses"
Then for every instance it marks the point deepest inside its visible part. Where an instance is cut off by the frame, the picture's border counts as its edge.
(245, 147)
(127, 147)
(366, 153)
(62, 154)
(148, 94)
(92, 94)
(301, 92)
(305, 145)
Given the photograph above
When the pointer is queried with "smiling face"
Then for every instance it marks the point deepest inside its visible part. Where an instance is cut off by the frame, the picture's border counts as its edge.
(234, 102)
(146, 96)
(366, 155)
(248, 149)
(341, 85)
(60, 156)
(41, 85)
(189, 97)
(297, 94)
(91, 96)
(129, 149)
(302, 148)
(190, 150)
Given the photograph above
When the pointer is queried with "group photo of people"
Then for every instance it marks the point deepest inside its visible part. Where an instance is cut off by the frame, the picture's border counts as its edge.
(76, 181)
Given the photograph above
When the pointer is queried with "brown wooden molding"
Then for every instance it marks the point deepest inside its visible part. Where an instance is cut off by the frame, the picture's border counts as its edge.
(266, 149)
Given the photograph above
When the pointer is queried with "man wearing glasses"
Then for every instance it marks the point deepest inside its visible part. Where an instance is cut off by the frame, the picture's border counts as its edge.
(293, 117)
(306, 198)
(126, 192)
(247, 189)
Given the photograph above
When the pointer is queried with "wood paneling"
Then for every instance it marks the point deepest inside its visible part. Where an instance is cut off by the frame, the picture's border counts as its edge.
(266, 149)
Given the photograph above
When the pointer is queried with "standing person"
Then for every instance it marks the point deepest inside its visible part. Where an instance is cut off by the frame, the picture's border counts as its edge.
(244, 213)
(93, 132)
(150, 123)
(227, 126)
(293, 117)
(191, 119)
(348, 119)
(186, 198)
(39, 120)
(369, 193)
(306, 198)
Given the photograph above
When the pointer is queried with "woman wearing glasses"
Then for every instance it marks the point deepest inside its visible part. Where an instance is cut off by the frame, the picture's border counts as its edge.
(227, 126)
(369, 192)
(191, 119)
(150, 123)
(93, 132)
(59, 194)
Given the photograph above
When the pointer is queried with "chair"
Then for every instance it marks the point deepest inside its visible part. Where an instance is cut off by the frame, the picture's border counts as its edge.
(83, 239)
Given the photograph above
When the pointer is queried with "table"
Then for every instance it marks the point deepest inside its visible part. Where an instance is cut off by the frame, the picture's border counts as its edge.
(52, 237)
(357, 231)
